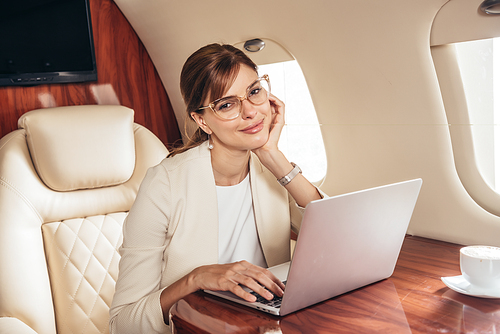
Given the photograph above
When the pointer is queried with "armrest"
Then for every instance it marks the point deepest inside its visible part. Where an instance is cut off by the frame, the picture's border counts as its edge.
(14, 326)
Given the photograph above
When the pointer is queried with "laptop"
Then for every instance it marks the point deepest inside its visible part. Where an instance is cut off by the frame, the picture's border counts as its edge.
(345, 242)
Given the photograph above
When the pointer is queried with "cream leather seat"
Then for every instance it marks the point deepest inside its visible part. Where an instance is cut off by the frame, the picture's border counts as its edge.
(68, 177)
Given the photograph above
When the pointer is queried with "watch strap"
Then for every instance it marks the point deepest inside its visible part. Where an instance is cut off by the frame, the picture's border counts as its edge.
(289, 177)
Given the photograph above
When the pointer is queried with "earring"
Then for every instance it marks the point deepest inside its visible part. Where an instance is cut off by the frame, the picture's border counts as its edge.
(210, 145)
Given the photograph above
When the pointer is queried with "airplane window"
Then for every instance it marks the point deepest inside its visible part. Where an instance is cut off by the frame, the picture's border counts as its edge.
(479, 64)
(301, 139)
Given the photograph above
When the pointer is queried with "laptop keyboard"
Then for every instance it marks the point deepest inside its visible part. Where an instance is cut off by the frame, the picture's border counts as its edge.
(275, 302)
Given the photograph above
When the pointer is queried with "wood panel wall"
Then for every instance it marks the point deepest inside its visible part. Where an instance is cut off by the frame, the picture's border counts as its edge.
(126, 76)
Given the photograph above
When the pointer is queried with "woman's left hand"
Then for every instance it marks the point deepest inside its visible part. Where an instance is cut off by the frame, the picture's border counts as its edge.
(277, 123)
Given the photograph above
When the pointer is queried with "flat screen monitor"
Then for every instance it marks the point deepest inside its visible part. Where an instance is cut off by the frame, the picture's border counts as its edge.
(46, 42)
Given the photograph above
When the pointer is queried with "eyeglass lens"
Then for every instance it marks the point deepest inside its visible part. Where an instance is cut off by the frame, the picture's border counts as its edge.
(229, 107)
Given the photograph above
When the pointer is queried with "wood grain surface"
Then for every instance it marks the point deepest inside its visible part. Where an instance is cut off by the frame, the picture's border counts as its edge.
(412, 300)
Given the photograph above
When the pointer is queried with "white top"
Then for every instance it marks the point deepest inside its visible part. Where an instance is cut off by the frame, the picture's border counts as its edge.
(238, 239)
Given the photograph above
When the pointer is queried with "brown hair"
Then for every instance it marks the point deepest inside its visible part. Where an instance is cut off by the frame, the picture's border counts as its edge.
(206, 75)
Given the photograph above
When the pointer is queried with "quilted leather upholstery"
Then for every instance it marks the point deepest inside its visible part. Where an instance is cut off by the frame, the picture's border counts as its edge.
(82, 255)
(58, 243)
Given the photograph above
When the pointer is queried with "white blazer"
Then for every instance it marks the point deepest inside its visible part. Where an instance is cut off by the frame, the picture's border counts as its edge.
(172, 228)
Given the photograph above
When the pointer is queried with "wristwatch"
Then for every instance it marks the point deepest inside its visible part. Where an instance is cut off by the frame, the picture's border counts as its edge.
(289, 177)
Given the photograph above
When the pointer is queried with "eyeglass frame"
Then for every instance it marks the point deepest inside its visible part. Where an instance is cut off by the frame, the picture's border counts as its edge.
(241, 99)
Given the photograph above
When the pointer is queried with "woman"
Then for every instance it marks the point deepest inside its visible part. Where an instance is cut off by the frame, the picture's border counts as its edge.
(212, 215)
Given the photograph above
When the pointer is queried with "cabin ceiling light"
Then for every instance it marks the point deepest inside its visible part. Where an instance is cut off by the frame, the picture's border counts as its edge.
(254, 45)
(491, 7)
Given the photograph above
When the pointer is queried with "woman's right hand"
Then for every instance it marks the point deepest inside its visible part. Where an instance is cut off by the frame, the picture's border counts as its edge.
(232, 276)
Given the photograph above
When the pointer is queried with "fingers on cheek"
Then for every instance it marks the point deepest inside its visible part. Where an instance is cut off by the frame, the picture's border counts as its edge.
(274, 100)
(277, 109)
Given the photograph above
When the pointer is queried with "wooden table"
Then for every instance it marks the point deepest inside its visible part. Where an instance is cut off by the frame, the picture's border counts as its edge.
(412, 300)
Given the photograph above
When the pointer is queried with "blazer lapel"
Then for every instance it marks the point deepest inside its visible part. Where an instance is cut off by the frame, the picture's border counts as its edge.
(272, 214)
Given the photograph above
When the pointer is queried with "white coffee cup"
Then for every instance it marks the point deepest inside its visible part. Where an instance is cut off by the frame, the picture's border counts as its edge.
(480, 266)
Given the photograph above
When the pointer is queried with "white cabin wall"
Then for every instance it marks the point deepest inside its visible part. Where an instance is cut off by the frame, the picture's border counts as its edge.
(372, 79)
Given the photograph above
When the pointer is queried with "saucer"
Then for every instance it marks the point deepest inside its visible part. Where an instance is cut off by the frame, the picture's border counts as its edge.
(459, 284)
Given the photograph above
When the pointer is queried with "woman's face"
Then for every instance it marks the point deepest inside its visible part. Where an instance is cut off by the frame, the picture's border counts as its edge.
(248, 131)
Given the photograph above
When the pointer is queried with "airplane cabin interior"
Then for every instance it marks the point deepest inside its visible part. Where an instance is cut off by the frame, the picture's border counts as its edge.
(376, 93)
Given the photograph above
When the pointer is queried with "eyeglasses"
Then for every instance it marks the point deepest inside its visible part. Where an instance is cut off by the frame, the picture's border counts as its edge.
(230, 107)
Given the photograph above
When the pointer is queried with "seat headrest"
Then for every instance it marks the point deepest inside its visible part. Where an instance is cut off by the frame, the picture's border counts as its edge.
(81, 147)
